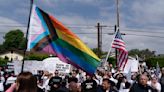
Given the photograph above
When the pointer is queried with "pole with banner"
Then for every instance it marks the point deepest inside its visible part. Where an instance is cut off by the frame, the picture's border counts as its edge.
(111, 47)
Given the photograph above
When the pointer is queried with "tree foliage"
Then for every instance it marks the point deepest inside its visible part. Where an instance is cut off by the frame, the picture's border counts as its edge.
(102, 53)
(3, 61)
(148, 56)
(35, 56)
(112, 61)
(134, 52)
(2, 49)
(144, 54)
(14, 40)
(153, 61)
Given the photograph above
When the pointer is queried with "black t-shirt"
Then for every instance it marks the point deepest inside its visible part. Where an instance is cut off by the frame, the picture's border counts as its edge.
(140, 88)
(89, 86)
(55, 80)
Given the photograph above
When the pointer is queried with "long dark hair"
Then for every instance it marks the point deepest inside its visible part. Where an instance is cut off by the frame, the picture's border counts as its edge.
(26, 82)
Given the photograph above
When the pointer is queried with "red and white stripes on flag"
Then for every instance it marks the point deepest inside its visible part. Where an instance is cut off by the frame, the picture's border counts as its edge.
(122, 57)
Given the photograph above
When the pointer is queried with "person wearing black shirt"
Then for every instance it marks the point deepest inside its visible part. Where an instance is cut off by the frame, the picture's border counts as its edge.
(107, 86)
(55, 84)
(142, 85)
(89, 85)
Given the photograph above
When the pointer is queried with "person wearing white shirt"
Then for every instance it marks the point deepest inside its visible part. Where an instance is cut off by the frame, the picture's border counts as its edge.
(2, 80)
(127, 87)
(155, 84)
(10, 80)
(1, 87)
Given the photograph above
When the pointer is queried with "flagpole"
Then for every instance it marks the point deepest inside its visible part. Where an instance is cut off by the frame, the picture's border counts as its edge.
(118, 25)
(110, 47)
(24, 53)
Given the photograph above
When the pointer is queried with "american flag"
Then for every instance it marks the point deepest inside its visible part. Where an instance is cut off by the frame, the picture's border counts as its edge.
(157, 71)
(122, 57)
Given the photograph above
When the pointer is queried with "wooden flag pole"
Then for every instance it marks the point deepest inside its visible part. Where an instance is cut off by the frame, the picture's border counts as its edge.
(24, 53)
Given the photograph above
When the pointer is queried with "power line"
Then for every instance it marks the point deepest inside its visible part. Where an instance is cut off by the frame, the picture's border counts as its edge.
(147, 35)
(87, 27)
(135, 31)
(12, 26)
(107, 34)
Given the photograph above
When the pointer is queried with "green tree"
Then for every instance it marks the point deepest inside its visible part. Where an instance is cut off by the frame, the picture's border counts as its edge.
(36, 56)
(102, 53)
(144, 54)
(112, 60)
(134, 52)
(2, 49)
(3, 62)
(153, 61)
(22, 45)
(14, 40)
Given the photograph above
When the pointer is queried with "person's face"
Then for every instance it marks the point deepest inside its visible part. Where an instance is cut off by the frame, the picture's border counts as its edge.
(133, 77)
(143, 80)
(88, 77)
(110, 65)
(109, 74)
(73, 87)
(56, 73)
(154, 80)
(105, 85)
(74, 74)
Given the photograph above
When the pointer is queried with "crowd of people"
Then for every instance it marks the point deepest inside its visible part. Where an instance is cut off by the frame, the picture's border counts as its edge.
(110, 80)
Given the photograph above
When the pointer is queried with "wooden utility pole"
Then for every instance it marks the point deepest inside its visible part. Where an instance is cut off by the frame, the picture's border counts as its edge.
(99, 38)
(118, 15)
(117, 27)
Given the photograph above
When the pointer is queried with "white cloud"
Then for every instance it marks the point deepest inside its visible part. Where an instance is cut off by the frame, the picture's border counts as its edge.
(141, 42)
(4, 2)
(151, 11)
(149, 14)
(79, 24)
(132, 41)
(7, 24)
(72, 19)
(50, 3)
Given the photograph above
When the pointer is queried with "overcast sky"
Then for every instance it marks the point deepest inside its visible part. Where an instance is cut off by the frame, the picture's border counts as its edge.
(141, 20)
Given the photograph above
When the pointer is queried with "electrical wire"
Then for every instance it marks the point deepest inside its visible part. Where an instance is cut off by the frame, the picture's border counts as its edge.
(135, 31)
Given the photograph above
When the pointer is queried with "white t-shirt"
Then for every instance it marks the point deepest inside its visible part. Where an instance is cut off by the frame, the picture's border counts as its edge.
(157, 85)
(124, 90)
(11, 80)
(2, 79)
(1, 86)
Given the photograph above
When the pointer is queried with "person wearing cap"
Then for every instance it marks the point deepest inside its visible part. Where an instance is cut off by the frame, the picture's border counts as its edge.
(107, 86)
